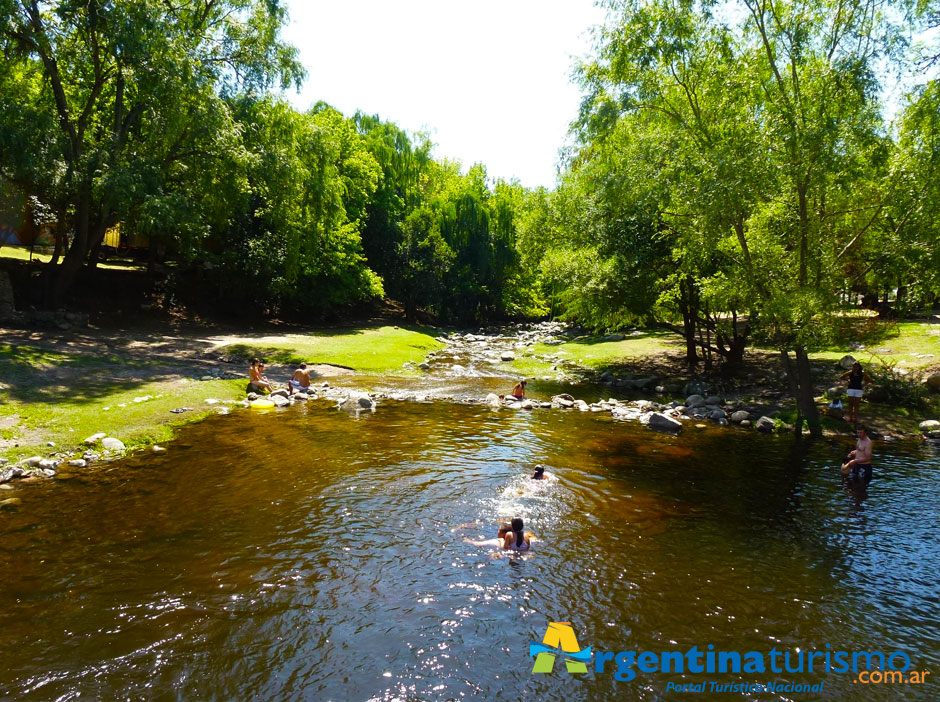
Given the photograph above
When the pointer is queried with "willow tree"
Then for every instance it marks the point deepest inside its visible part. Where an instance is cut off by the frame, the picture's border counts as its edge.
(121, 98)
(768, 115)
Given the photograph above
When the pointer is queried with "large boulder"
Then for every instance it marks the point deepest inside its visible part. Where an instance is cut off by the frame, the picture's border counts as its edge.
(694, 401)
(740, 416)
(660, 422)
(933, 382)
(847, 361)
(563, 400)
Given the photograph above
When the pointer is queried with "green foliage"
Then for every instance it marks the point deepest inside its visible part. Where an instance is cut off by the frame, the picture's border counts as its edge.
(892, 387)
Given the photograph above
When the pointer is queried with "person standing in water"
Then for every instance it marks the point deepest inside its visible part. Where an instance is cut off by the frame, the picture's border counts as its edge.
(859, 463)
(857, 378)
(518, 391)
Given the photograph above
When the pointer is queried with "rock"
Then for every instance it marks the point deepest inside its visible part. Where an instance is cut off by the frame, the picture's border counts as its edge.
(695, 387)
(6, 476)
(722, 422)
(4, 461)
(694, 401)
(929, 426)
(847, 361)
(280, 400)
(32, 461)
(528, 404)
(47, 463)
(78, 463)
(835, 391)
(581, 405)
(660, 422)
(158, 449)
(493, 400)
(740, 416)
(607, 376)
(90, 456)
(746, 423)
(10, 502)
(614, 337)
(933, 382)
(112, 444)
(366, 402)
(712, 400)
(424, 365)
(252, 396)
(211, 401)
(718, 414)
(50, 444)
(279, 393)
(507, 356)
(94, 438)
(764, 425)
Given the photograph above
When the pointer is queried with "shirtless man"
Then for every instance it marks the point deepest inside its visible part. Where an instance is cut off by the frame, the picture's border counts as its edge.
(859, 462)
(300, 380)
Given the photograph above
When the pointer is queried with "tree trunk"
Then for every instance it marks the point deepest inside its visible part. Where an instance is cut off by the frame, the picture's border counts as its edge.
(75, 255)
(801, 386)
(689, 311)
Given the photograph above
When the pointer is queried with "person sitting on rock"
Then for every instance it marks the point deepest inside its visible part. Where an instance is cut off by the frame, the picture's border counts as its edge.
(300, 380)
(518, 391)
(257, 381)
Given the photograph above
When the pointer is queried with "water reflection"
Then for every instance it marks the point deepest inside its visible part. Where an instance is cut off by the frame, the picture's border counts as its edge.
(322, 562)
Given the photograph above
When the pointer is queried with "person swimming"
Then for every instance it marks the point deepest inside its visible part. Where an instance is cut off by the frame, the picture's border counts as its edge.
(504, 529)
(539, 473)
(517, 539)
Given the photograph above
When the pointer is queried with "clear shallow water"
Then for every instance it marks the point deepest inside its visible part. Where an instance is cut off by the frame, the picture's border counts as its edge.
(309, 554)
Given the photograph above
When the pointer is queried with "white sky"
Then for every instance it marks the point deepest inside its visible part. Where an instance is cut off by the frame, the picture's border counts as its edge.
(488, 80)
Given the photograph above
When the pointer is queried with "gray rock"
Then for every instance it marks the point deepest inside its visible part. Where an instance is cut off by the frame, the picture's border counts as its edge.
(280, 400)
(740, 416)
(6, 476)
(90, 456)
(48, 463)
(847, 361)
(933, 382)
(694, 401)
(78, 463)
(746, 423)
(717, 414)
(614, 337)
(33, 461)
(279, 393)
(113, 444)
(765, 425)
(660, 422)
(366, 402)
(606, 376)
(507, 356)
(94, 438)
(424, 365)
(712, 400)
(493, 400)
(722, 422)
(528, 404)
(929, 426)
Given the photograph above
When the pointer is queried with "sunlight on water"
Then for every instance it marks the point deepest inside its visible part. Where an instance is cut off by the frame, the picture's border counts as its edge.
(317, 555)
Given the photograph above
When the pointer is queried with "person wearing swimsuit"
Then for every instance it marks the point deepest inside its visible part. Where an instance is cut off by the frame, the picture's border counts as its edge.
(857, 378)
(516, 540)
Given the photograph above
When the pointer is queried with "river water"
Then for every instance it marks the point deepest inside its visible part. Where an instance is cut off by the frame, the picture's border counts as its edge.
(315, 554)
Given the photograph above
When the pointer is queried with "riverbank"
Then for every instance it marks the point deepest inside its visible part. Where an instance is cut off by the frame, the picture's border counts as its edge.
(139, 384)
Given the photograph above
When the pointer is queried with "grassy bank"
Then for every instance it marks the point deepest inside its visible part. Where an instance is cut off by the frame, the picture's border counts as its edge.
(65, 396)
(371, 351)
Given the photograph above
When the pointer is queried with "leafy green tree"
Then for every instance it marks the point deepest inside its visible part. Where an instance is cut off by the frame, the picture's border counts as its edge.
(114, 98)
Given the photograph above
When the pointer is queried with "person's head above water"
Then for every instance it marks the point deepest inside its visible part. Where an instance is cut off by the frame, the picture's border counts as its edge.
(517, 526)
(539, 472)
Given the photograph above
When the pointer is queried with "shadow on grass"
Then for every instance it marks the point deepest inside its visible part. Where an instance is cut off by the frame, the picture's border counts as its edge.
(658, 334)
(33, 376)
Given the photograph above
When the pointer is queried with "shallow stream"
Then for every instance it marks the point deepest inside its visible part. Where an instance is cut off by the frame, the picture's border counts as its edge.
(314, 554)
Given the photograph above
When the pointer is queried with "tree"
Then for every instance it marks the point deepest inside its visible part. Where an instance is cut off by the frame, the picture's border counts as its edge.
(114, 100)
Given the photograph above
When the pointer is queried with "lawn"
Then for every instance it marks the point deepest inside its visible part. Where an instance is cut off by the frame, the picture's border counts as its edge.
(373, 351)
(594, 353)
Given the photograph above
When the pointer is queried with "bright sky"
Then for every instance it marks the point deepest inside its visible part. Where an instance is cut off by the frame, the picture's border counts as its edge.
(488, 80)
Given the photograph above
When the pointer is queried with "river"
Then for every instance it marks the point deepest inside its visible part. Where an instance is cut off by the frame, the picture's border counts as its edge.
(317, 554)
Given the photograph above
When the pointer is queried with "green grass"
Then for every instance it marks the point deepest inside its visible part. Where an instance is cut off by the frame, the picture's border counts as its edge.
(65, 397)
(21, 253)
(899, 343)
(373, 351)
(593, 353)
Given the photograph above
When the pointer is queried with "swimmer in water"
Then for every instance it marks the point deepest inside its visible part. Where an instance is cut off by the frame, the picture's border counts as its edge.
(504, 529)
(517, 539)
(539, 473)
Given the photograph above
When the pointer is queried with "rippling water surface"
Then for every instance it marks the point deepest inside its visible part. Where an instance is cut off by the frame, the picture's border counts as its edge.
(311, 554)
